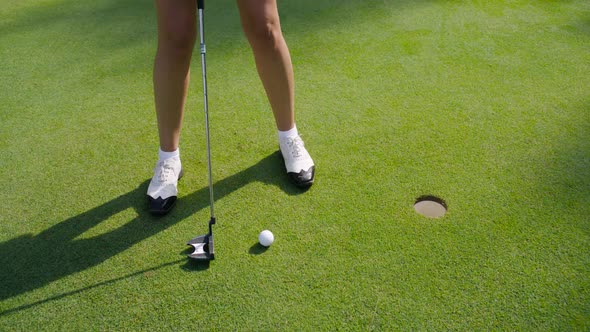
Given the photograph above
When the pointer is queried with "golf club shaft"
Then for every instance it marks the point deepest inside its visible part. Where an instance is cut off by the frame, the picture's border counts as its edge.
(206, 103)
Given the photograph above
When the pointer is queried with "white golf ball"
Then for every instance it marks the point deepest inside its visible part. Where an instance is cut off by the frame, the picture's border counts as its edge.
(266, 238)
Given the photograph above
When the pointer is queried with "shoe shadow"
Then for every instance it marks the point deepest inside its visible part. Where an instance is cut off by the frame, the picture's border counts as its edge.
(33, 261)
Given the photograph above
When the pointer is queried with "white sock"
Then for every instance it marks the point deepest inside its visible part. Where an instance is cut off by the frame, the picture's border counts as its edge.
(163, 155)
(289, 133)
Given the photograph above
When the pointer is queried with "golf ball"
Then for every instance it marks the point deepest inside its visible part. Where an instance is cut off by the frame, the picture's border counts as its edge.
(266, 238)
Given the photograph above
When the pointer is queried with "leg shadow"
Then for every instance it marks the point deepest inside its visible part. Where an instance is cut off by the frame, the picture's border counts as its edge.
(33, 261)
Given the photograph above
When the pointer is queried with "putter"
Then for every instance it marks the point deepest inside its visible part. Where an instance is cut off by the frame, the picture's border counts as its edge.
(203, 244)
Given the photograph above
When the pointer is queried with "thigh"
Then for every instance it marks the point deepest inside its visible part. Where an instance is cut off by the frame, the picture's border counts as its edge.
(176, 18)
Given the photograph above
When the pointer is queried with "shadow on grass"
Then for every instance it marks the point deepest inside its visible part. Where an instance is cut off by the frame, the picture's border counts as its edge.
(84, 289)
(191, 265)
(33, 261)
(257, 249)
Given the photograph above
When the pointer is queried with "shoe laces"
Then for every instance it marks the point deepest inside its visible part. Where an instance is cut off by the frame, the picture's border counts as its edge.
(295, 145)
(165, 170)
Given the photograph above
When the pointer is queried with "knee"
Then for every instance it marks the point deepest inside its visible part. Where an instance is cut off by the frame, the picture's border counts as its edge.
(263, 33)
(177, 37)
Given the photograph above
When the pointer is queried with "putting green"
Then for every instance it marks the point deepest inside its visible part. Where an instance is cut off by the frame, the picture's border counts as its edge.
(484, 104)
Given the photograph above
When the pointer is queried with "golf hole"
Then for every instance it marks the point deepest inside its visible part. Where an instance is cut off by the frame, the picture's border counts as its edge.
(430, 206)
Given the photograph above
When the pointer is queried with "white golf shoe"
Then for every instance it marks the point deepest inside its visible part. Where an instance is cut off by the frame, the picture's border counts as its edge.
(300, 166)
(163, 189)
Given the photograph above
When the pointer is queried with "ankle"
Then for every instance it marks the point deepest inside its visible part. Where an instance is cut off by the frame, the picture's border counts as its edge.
(163, 155)
(291, 133)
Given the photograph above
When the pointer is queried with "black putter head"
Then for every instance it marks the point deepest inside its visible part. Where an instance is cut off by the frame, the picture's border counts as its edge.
(203, 245)
(203, 248)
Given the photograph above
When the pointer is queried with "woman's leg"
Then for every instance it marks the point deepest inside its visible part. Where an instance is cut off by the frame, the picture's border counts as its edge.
(176, 38)
(260, 22)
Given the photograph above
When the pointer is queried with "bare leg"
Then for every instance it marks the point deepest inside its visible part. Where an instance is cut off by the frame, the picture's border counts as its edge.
(176, 38)
(260, 22)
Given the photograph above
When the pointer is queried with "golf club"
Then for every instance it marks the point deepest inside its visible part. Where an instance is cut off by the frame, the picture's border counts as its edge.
(203, 244)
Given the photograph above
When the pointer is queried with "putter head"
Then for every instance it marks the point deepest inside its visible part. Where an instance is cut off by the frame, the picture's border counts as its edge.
(203, 248)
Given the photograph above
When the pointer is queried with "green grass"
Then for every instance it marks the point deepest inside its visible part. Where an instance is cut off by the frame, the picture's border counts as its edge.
(485, 104)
